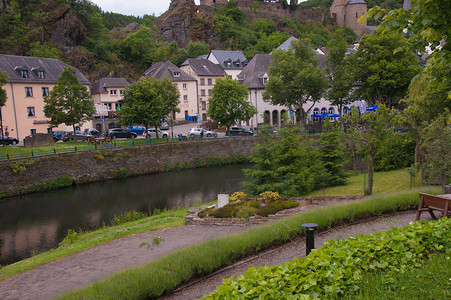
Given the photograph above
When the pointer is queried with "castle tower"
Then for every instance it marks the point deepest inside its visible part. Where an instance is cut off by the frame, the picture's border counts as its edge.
(347, 12)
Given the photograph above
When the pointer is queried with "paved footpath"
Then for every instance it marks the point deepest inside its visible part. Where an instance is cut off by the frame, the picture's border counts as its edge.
(81, 269)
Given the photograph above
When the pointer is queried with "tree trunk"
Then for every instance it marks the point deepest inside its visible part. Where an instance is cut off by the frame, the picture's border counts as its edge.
(369, 189)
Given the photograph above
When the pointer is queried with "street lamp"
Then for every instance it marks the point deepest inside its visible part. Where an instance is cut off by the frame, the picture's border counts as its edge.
(309, 237)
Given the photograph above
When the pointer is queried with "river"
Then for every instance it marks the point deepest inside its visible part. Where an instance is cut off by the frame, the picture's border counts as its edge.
(38, 222)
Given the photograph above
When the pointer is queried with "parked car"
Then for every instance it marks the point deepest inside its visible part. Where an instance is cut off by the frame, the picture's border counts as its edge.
(234, 131)
(117, 133)
(138, 129)
(68, 136)
(93, 132)
(8, 140)
(58, 135)
(164, 126)
(153, 134)
(197, 132)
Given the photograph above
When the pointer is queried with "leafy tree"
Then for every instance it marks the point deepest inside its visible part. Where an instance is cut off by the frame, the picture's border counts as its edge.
(147, 101)
(424, 104)
(44, 50)
(68, 102)
(295, 79)
(384, 74)
(428, 26)
(142, 49)
(264, 26)
(371, 131)
(3, 81)
(175, 54)
(195, 49)
(339, 74)
(13, 30)
(437, 147)
(228, 104)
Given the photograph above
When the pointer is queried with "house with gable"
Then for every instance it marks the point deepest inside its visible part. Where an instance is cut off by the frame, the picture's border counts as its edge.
(233, 62)
(108, 96)
(185, 84)
(206, 73)
(30, 79)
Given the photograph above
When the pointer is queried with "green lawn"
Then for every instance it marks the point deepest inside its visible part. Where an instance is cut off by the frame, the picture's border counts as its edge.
(384, 182)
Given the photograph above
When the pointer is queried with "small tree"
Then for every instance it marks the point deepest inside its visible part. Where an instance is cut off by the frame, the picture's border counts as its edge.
(370, 131)
(437, 147)
(295, 79)
(228, 102)
(68, 102)
(147, 101)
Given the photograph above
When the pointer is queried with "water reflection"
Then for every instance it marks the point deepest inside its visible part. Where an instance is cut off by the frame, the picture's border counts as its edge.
(38, 222)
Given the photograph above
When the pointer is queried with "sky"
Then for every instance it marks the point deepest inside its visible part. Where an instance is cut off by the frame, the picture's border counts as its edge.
(135, 7)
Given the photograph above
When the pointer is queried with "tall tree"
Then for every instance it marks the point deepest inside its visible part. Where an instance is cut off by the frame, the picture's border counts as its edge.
(147, 101)
(228, 104)
(68, 102)
(424, 104)
(437, 147)
(428, 27)
(385, 74)
(3, 81)
(339, 73)
(295, 79)
(370, 131)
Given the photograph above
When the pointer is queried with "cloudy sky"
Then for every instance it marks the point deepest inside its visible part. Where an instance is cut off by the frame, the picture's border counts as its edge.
(135, 7)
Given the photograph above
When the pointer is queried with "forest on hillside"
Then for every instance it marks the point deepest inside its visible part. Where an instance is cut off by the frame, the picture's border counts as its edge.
(102, 44)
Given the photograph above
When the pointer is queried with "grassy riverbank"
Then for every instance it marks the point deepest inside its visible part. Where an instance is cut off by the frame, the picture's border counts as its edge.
(79, 241)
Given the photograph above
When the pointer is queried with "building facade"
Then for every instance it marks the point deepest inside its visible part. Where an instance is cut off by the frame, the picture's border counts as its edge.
(185, 84)
(233, 62)
(107, 95)
(206, 73)
(347, 12)
(30, 80)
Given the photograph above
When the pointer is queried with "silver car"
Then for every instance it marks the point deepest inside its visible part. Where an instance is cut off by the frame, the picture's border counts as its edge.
(197, 132)
(153, 134)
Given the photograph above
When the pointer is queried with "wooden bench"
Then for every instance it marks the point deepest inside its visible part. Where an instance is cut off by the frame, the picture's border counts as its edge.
(430, 203)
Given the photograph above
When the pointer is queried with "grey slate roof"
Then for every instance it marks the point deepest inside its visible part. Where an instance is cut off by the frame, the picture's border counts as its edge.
(286, 44)
(166, 69)
(252, 75)
(51, 67)
(232, 57)
(204, 67)
(102, 84)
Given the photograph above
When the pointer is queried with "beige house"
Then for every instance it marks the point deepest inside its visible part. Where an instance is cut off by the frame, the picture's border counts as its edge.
(185, 84)
(30, 79)
(206, 73)
(107, 95)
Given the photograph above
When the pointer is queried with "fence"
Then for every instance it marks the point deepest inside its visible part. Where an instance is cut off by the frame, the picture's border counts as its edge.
(81, 147)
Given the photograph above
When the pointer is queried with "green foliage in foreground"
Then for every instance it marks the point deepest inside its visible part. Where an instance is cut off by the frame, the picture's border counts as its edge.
(163, 275)
(337, 268)
(431, 280)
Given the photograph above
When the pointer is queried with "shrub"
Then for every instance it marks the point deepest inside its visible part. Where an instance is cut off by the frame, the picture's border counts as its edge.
(275, 207)
(269, 196)
(237, 197)
(246, 212)
(127, 217)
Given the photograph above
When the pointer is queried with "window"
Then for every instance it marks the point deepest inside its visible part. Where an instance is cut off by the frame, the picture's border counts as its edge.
(186, 113)
(356, 14)
(331, 110)
(122, 92)
(202, 92)
(185, 98)
(323, 110)
(28, 92)
(209, 92)
(202, 81)
(32, 131)
(49, 130)
(204, 105)
(45, 91)
(210, 81)
(24, 73)
(184, 86)
(175, 85)
(176, 74)
(113, 92)
(41, 74)
(108, 106)
(31, 112)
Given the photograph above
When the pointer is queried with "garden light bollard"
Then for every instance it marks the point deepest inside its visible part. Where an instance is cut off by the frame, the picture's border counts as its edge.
(309, 237)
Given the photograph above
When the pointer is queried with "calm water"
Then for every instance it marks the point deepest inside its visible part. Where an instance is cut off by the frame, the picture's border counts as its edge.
(38, 222)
